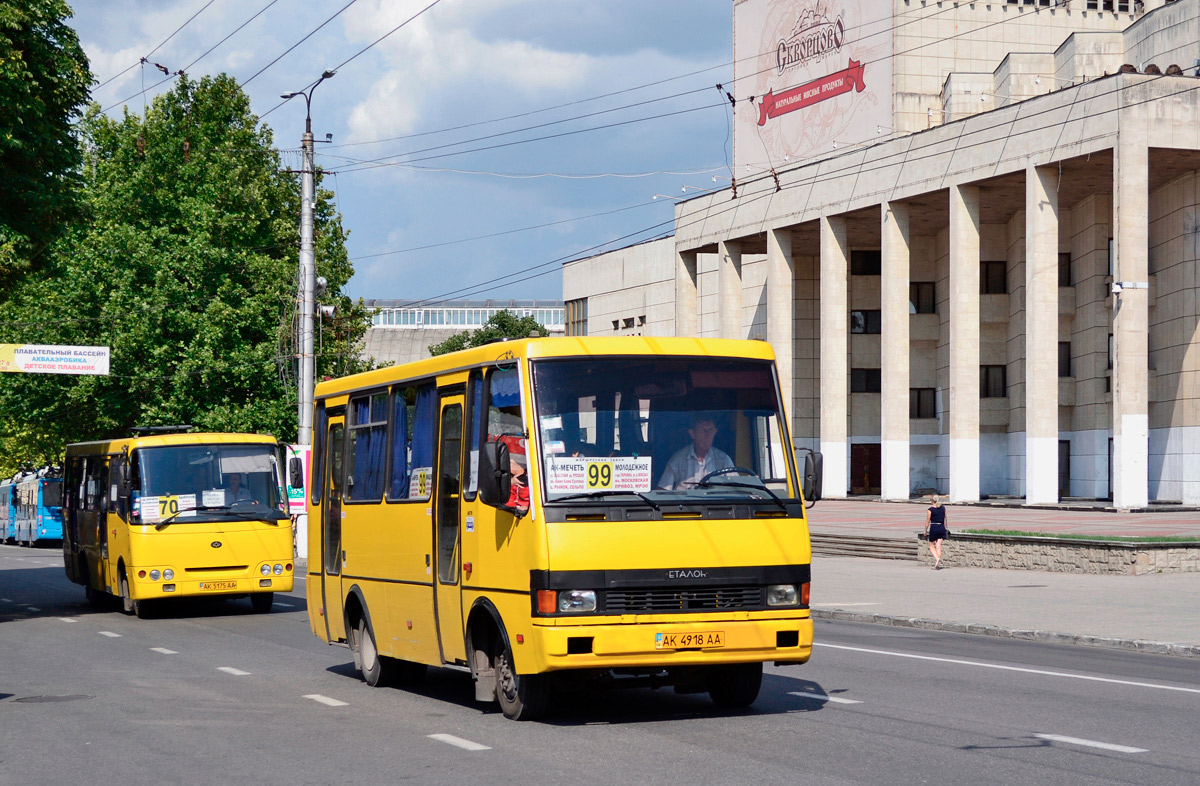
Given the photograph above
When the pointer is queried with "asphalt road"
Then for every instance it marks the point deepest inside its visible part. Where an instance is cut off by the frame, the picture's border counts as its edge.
(211, 693)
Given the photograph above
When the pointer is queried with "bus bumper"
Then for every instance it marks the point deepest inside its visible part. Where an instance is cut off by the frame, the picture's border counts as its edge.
(666, 644)
(145, 589)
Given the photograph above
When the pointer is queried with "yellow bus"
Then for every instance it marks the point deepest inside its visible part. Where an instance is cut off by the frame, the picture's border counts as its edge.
(548, 508)
(166, 514)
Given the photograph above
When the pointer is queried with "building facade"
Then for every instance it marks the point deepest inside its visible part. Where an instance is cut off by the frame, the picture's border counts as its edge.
(402, 330)
(1005, 302)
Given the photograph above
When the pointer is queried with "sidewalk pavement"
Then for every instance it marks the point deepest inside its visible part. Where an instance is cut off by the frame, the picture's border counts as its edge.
(1154, 613)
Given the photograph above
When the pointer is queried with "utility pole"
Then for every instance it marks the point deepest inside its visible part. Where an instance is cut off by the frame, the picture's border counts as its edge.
(308, 268)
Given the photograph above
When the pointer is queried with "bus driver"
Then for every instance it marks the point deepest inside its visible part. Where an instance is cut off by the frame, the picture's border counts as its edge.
(690, 464)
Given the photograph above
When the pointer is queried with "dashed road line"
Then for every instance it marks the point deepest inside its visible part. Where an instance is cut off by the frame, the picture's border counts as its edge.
(233, 671)
(285, 605)
(34, 609)
(823, 697)
(109, 633)
(5, 600)
(1002, 667)
(1108, 746)
(163, 650)
(328, 702)
(68, 619)
(459, 742)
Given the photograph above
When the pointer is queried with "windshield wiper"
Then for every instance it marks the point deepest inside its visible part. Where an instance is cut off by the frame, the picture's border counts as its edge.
(227, 509)
(620, 492)
(734, 484)
(169, 519)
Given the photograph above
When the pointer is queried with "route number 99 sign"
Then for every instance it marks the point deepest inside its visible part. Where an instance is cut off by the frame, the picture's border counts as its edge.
(580, 474)
(600, 475)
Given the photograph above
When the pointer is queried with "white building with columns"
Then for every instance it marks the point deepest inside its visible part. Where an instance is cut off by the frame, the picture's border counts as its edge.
(999, 295)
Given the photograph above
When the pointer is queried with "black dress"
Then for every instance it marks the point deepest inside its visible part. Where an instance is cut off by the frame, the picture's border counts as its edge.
(937, 523)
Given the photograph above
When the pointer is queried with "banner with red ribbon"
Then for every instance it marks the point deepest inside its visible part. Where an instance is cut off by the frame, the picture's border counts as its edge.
(835, 84)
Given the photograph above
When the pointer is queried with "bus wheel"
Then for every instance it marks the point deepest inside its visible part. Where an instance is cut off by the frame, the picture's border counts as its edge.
(261, 602)
(376, 670)
(735, 685)
(128, 604)
(521, 696)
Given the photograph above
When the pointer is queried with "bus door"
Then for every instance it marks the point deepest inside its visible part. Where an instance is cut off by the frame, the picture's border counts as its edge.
(447, 518)
(331, 527)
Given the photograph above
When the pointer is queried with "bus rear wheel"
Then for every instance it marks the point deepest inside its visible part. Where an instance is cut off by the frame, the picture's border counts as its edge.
(521, 696)
(735, 685)
(261, 602)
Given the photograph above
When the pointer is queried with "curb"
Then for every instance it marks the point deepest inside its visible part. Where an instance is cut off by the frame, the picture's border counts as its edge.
(1043, 636)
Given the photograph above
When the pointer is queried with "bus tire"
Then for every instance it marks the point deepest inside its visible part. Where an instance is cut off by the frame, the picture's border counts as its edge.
(377, 671)
(735, 685)
(261, 602)
(128, 604)
(522, 697)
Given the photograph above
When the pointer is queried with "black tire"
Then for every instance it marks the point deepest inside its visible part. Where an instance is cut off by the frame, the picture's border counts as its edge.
(735, 685)
(261, 602)
(522, 697)
(128, 604)
(377, 671)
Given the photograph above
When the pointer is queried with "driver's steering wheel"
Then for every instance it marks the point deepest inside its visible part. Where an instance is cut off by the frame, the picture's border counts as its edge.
(729, 471)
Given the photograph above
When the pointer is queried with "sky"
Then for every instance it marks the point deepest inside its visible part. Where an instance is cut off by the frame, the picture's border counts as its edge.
(483, 120)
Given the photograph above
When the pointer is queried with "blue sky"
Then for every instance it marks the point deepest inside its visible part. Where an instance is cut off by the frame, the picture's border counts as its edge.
(460, 63)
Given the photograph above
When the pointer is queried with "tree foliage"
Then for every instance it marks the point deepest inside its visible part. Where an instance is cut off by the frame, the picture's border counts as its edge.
(502, 324)
(44, 80)
(186, 266)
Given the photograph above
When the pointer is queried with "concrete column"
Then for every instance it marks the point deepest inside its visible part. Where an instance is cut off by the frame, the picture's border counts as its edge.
(964, 343)
(894, 352)
(687, 301)
(835, 390)
(1131, 321)
(729, 292)
(1041, 334)
(781, 309)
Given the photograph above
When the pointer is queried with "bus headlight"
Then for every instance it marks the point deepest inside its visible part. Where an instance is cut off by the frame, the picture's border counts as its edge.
(265, 570)
(278, 569)
(168, 574)
(155, 575)
(577, 600)
(782, 595)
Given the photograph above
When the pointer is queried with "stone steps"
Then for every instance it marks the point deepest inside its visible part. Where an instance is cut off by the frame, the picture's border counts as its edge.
(863, 546)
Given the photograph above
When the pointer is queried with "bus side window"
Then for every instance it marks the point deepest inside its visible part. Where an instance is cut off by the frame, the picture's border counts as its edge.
(413, 422)
(504, 407)
(475, 433)
(368, 438)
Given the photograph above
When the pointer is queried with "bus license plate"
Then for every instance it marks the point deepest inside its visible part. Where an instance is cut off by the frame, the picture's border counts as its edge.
(675, 641)
(217, 586)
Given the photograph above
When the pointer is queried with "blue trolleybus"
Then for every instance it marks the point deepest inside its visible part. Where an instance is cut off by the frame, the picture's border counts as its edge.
(35, 513)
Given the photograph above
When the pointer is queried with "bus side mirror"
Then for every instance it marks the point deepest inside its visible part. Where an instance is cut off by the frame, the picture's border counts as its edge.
(495, 480)
(122, 478)
(295, 472)
(813, 471)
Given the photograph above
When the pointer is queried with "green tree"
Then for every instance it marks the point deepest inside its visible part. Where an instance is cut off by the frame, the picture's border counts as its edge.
(186, 266)
(44, 81)
(502, 324)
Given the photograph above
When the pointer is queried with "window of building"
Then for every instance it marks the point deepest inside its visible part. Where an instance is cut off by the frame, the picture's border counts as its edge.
(993, 278)
(1064, 359)
(993, 382)
(368, 442)
(922, 298)
(865, 322)
(1064, 269)
(865, 380)
(1110, 350)
(865, 263)
(922, 402)
(1110, 256)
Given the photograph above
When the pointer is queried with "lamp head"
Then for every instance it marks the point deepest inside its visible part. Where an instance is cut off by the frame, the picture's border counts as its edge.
(328, 74)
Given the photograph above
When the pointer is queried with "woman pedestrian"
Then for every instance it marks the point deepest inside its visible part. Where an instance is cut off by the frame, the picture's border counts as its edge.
(935, 530)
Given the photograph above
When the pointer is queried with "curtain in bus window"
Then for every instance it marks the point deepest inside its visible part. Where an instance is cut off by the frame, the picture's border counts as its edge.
(424, 425)
(369, 445)
(398, 488)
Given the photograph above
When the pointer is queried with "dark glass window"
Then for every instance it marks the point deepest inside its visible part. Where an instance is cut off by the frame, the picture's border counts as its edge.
(865, 322)
(1064, 359)
(922, 403)
(865, 380)
(865, 263)
(368, 443)
(921, 298)
(993, 278)
(414, 420)
(993, 381)
(1064, 269)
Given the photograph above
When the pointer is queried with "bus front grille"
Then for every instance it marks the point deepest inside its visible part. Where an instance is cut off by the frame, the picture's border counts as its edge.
(653, 601)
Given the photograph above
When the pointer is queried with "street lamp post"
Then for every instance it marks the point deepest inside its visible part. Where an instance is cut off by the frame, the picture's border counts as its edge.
(308, 268)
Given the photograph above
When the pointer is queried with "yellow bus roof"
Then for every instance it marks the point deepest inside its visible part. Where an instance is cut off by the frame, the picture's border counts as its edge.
(561, 346)
(164, 440)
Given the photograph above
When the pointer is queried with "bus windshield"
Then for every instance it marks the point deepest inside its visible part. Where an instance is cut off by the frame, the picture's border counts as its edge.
(197, 483)
(665, 430)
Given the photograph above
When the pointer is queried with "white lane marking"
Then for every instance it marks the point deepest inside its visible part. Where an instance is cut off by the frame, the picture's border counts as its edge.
(163, 650)
(110, 634)
(459, 742)
(233, 671)
(285, 605)
(822, 697)
(5, 600)
(68, 619)
(328, 702)
(1022, 669)
(1108, 746)
(32, 608)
